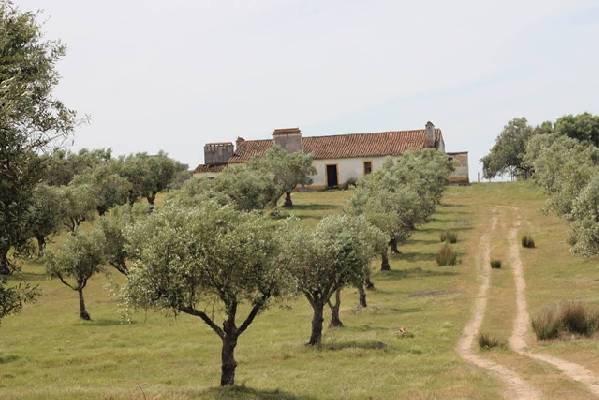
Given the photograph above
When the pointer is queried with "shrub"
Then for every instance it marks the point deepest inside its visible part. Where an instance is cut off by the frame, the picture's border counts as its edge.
(446, 256)
(448, 236)
(528, 242)
(496, 264)
(488, 342)
(546, 325)
(571, 317)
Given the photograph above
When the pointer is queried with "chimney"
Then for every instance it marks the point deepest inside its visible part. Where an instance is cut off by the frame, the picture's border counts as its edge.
(429, 130)
(238, 142)
(217, 153)
(289, 139)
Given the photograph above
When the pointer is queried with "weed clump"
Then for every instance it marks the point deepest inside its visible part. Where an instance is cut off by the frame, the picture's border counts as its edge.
(488, 342)
(448, 236)
(446, 256)
(559, 320)
(496, 264)
(528, 242)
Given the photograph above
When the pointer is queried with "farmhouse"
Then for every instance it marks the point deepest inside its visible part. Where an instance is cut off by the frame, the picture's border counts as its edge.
(338, 159)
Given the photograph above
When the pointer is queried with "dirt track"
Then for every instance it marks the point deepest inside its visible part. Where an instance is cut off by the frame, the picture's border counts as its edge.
(516, 387)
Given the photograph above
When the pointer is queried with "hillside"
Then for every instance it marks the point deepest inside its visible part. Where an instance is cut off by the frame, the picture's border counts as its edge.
(48, 353)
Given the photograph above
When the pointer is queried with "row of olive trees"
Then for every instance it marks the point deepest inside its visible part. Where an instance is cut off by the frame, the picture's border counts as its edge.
(401, 195)
(507, 156)
(568, 170)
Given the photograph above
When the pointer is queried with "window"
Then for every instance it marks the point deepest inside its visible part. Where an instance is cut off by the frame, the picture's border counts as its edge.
(367, 167)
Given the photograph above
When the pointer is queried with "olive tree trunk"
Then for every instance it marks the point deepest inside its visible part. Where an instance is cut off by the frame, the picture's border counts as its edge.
(41, 244)
(385, 266)
(83, 314)
(393, 244)
(317, 321)
(335, 320)
(228, 363)
(362, 294)
(288, 202)
(369, 284)
(4, 268)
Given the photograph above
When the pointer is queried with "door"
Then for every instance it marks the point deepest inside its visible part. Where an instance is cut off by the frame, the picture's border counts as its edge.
(332, 175)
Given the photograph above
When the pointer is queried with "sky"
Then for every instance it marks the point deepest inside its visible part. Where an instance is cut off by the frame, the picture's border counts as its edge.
(176, 74)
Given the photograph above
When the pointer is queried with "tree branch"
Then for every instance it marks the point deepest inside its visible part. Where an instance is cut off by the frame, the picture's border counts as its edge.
(255, 310)
(217, 329)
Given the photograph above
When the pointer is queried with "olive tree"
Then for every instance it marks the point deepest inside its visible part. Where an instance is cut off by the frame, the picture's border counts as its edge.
(76, 261)
(187, 257)
(507, 154)
(563, 167)
(45, 214)
(113, 225)
(77, 204)
(584, 237)
(329, 258)
(30, 119)
(287, 170)
(109, 188)
(149, 174)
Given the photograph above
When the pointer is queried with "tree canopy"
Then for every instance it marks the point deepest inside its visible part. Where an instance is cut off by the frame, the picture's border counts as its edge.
(287, 170)
(187, 257)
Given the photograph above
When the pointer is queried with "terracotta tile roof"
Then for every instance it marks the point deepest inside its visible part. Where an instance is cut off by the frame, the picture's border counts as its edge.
(206, 168)
(348, 145)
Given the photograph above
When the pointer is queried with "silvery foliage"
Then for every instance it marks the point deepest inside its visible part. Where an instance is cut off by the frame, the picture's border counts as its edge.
(186, 257)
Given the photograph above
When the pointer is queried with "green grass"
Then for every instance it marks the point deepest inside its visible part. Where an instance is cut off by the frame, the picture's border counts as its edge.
(47, 353)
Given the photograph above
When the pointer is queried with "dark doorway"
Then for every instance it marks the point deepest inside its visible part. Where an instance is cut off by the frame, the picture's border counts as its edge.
(332, 175)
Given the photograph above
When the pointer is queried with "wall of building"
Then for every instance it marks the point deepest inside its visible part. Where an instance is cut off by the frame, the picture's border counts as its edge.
(460, 175)
(346, 168)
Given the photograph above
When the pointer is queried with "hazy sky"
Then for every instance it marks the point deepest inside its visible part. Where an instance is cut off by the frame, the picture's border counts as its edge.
(174, 75)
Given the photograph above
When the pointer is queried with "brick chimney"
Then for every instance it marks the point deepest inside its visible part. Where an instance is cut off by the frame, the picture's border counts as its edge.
(429, 130)
(289, 138)
(238, 142)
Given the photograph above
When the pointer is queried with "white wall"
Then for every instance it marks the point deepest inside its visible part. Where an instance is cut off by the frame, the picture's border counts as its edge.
(346, 168)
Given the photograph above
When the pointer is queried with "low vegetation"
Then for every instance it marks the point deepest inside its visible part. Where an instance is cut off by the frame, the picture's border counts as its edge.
(528, 242)
(488, 342)
(496, 264)
(449, 237)
(446, 256)
(574, 318)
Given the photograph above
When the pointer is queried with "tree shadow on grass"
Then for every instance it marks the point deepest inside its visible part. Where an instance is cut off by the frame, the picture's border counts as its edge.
(248, 393)
(8, 358)
(414, 256)
(314, 207)
(354, 344)
(108, 322)
(416, 272)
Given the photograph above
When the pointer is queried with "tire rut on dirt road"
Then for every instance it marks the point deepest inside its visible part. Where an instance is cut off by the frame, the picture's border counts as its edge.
(517, 341)
(516, 387)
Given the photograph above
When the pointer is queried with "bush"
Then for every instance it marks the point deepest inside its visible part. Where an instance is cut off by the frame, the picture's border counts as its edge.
(488, 342)
(496, 264)
(446, 256)
(571, 317)
(448, 236)
(528, 242)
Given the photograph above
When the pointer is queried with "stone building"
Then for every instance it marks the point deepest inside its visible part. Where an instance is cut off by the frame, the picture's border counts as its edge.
(337, 158)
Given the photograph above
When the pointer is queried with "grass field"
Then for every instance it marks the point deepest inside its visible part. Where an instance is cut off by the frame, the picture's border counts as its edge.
(47, 353)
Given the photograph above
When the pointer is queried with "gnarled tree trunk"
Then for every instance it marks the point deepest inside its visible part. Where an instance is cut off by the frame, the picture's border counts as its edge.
(151, 199)
(317, 321)
(228, 363)
(393, 244)
(288, 202)
(335, 320)
(385, 266)
(362, 294)
(83, 314)
(41, 244)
